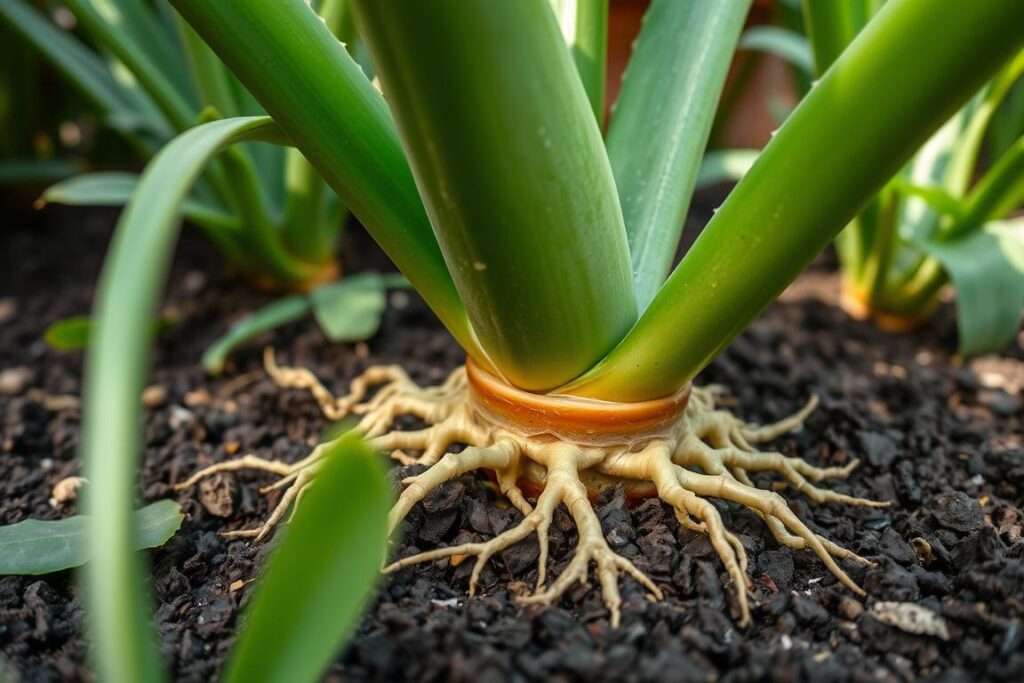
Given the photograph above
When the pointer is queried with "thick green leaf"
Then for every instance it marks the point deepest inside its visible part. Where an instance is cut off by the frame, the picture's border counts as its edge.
(584, 24)
(133, 277)
(987, 270)
(319, 578)
(281, 312)
(662, 121)
(320, 96)
(512, 169)
(781, 42)
(69, 334)
(809, 181)
(114, 188)
(350, 310)
(725, 165)
(40, 547)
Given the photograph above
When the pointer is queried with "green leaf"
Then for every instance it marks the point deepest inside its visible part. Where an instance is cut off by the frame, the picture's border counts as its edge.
(281, 312)
(40, 547)
(69, 334)
(80, 65)
(350, 310)
(855, 129)
(115, 188)
(160, 82)
(661, 123)
(584, 24)
(319, 579)
(781, 42)
(725, 165)
(937, 198)
(320, 96)
(513, 172)
(134, 276)
(25, 171)
(987, 270)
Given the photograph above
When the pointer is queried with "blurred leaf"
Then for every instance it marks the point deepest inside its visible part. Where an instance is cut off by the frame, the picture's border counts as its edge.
(319, 578)
(69, 334)
(72, 334)
(350, 310)
(39, 547)
(24, 171)
(115, 188)
(781, 42)
(725, 165)
(937, 198)
(987, 269)
(281, 312)
(84, 68)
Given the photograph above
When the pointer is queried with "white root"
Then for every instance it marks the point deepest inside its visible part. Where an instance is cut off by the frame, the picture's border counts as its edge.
(707, 454)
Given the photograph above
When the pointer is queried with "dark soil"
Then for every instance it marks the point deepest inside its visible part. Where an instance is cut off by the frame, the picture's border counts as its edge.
(944, 442)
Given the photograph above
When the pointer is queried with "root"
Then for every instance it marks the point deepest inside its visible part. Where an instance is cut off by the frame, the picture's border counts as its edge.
(707, 453)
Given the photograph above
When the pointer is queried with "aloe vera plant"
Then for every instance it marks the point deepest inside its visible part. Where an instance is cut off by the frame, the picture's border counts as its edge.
(149, 77)
(934, 223)
(947, 217)
(544, 246)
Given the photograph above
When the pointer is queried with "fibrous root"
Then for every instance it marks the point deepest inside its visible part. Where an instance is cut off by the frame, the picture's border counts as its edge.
(684, 458)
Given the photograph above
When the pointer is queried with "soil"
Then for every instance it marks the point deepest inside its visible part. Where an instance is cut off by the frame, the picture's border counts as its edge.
(943, 441)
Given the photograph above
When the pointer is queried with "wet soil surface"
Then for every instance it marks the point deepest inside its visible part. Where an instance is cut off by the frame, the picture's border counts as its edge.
(940, 440)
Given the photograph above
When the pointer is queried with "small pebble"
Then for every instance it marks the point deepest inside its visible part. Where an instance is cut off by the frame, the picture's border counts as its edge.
(66, 490)
(154, 396)
(14, 380)
(8, 309)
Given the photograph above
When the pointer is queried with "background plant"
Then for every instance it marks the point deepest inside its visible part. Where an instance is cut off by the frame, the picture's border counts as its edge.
(942, 218)
(148, 77)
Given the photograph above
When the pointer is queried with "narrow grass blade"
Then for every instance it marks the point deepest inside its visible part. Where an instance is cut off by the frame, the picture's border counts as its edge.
(987, 270)
(322, 99)
(784, 43)
(271, 317)
(810, 181)
(133, 277)
(40, 547)
(319, 578)
(662, 121)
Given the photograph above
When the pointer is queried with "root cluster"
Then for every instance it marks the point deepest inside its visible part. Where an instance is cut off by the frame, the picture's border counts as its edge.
(705, 453)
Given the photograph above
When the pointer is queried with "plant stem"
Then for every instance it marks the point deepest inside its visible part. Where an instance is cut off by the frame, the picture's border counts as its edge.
(809, 182)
